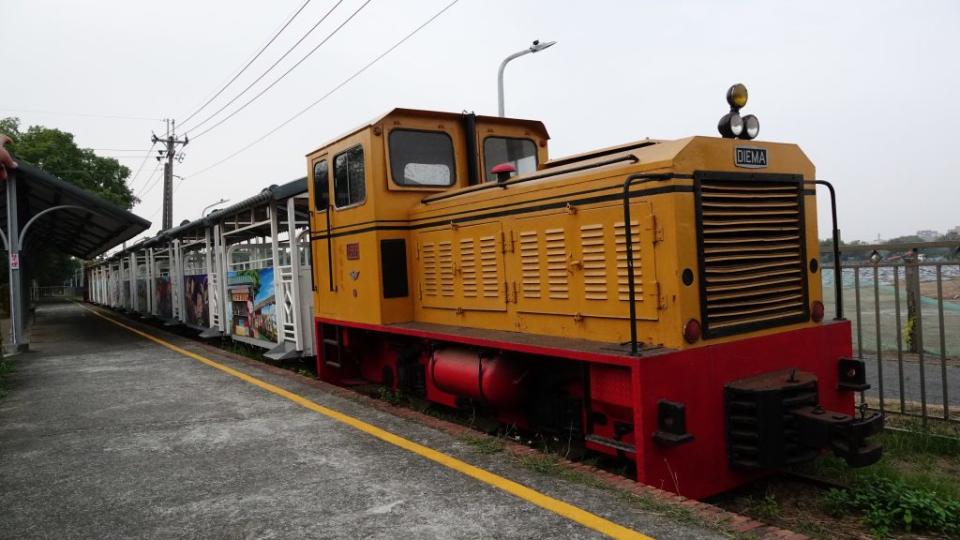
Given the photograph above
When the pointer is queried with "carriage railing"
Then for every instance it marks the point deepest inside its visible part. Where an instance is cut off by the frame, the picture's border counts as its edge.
(285, 297)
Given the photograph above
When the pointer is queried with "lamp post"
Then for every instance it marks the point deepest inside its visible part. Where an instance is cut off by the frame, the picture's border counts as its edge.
(537, 46)
(221, 201)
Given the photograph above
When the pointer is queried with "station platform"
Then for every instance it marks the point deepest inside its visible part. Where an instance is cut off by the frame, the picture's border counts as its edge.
(113, 429)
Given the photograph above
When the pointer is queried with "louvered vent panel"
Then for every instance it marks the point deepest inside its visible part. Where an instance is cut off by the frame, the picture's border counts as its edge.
(594, 262)
(445, 257)
(468, 268)
(530, 263)
(620, 234)
(429, 269)
(558, 277)
(753, 268)
(489, 271)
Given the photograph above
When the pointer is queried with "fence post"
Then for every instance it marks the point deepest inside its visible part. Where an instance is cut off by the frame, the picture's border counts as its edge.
(912, 274)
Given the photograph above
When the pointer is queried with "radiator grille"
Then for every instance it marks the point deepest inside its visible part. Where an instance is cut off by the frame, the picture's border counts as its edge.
(752, 254)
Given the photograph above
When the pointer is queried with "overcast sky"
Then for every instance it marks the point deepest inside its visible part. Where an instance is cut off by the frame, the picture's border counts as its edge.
(869, 90)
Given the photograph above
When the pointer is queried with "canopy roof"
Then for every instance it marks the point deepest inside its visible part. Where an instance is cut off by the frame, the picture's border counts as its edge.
(274, 193)
(84, 227)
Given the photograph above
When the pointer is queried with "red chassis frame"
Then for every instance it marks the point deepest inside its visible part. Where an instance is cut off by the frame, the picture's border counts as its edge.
(694, 377)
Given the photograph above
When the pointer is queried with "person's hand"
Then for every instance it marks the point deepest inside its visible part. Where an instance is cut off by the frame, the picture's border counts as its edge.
(6, 162)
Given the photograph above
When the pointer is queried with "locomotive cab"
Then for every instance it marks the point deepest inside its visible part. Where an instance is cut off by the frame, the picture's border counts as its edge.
(364, 184)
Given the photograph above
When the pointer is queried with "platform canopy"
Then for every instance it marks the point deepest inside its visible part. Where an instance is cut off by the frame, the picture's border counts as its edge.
(68, 218)
(43, 212)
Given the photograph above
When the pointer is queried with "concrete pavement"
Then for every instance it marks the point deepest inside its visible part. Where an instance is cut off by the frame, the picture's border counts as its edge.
(108, 435)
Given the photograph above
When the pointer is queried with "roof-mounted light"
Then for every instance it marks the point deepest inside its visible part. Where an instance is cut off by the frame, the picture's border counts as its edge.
(732, 125)
(737, 96)
(751, 127)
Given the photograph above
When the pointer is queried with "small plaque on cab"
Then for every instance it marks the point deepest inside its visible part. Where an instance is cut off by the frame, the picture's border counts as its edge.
(353, 251)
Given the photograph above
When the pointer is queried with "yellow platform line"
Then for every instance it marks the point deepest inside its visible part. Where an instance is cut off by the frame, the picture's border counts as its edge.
(569, 511)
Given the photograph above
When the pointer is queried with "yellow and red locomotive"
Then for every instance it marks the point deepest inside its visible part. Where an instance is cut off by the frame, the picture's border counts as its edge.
(660, 299)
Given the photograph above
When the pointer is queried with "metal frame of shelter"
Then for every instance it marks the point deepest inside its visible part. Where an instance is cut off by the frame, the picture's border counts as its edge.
(47, 212)
(267, 231)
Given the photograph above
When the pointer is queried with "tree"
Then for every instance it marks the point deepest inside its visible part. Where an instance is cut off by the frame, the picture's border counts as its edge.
(56, 152)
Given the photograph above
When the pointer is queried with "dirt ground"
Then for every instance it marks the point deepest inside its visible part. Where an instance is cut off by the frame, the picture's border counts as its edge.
(951, 289)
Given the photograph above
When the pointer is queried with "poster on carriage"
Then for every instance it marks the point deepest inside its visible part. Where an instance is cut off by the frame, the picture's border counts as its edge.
(114, 284)
(251, 298)
(195, 300)
(162, 291)
(142, 295)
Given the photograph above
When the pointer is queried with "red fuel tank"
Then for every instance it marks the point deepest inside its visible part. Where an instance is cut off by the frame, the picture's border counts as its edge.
(479, 375)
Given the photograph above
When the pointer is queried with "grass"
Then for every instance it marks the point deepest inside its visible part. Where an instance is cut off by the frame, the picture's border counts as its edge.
(551, 465)
(766, 508)
(6, 368)
(922, 460)
(237, 347)
(914, 487)
(674, 512)
(890, 505)
(483, 444)
(913, 491)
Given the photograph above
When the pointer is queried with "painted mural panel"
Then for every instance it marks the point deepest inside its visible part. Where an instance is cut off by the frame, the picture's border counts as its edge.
(142, 295)
(252, 304)
(114, 284)
(162, 289)
(195, 300)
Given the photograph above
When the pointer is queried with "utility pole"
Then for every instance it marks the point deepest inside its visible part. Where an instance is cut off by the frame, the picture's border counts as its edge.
(170, 153)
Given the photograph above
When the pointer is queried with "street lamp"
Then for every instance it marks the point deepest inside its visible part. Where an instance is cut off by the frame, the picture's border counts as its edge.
(533, 48)
(221, 201)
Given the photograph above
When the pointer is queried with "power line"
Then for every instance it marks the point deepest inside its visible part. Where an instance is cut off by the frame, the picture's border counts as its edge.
(86, 115)
(145, 189)
(328, 94)
(142, 163)
(120, 149)
(147, 186)
(244, 68)
(264, 74)
(157, 211)
(280, 78)
(180, 183)
(149, 189)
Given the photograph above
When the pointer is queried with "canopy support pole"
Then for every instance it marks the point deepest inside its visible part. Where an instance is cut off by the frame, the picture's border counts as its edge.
(13, 249)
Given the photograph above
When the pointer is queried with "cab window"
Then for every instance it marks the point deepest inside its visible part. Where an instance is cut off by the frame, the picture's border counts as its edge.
(421, 158)
(521, 153)
(348, 180)
(321, 185)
